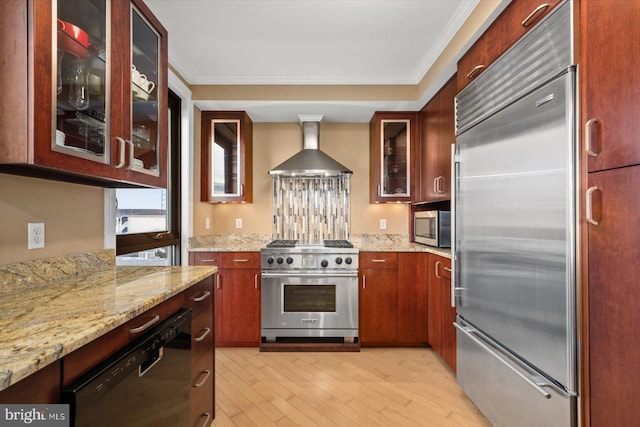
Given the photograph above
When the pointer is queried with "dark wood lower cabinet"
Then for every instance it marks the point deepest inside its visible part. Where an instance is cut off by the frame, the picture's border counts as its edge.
(441, 315)
(614, 298)
(39, 388)
(412, 298)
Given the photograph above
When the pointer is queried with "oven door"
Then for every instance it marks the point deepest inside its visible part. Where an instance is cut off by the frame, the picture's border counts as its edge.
(309, 305)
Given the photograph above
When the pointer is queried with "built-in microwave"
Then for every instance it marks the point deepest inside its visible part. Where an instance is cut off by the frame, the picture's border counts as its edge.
(432, 228)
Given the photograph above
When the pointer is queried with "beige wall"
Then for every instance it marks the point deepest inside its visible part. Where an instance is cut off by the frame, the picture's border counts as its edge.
(73, 216)
(273, 143)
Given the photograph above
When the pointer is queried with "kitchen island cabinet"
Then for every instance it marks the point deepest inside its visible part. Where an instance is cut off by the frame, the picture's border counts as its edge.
(237, 300)
(55, 333)
(75, 106)
(393, 298)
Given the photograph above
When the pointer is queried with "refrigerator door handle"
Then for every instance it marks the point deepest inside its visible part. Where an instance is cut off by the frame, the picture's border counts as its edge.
(455, 161)
(537, 383)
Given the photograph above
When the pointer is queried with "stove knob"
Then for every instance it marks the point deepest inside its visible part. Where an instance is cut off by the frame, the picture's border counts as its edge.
(289, 260)
(348, 260)
(338, 260)
(270, 260)
(280, 260)
(324, 263)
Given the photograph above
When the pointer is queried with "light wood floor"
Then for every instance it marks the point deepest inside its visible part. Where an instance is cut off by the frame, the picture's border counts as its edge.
(376, 387)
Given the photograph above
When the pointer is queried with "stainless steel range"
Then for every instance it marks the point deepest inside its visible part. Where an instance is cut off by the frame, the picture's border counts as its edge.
(309, 291)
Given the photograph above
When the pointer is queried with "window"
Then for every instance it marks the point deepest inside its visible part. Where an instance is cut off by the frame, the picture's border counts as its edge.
(148, 219)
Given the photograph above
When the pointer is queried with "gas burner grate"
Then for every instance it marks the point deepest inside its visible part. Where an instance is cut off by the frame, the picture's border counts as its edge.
(283, 244)
(337, 244)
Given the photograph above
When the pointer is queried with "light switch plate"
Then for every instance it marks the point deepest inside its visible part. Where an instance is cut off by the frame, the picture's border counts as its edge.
(238, 222)
(35, 235)
(383, 224)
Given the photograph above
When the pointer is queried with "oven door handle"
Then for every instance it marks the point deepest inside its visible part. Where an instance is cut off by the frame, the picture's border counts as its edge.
(266, 275)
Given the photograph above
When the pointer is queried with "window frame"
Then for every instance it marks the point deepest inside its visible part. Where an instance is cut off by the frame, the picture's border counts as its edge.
(129, 243)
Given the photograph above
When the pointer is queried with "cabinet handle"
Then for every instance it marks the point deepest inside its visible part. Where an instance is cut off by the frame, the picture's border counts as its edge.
(364, 282)
(207, 418)
(242, 190)
(255, 282)
(131, 148)
(207, 374)
(207, 260)
(218, 285)
(530, 19)
(378, 260)
(122, 150)
(201, 298)
(144, 327)
(447, 269)
(438, 264)
(379, 194)
(589, 205)
(588, 135)
(241, 260)
(475, 71)
(203, 335)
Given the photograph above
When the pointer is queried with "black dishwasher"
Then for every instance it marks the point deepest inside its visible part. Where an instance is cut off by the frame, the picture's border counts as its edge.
(146, 383)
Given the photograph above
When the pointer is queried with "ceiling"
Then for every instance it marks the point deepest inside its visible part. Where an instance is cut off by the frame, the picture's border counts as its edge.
(309, 42)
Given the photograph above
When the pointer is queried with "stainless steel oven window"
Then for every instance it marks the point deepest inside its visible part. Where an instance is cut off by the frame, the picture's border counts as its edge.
(309, 298)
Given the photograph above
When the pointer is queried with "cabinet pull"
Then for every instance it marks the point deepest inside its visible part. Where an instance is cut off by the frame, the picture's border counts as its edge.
(588, 135)
(475, 71)
(131, 148)
(447, 269)
(531, 18)
(201, 298)
(364, 282)
(241, 260)
(438, 264)
(255, 281)
(207, 418)
(203, 335)
(207, 260)
(379, 194)
(589, 205)
(242, 190)
(141, 328)
(207, 374)
(122, 150)
(378, 260)
(218, 285)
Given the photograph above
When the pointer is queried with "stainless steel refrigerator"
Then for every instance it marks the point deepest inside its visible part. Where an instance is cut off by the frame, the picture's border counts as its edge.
(515, 239)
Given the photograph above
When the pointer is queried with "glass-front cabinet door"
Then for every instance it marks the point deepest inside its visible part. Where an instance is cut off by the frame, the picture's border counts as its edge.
(144, 155)
(91, 78)
(392, 139)
(226, 156)
(81, 79)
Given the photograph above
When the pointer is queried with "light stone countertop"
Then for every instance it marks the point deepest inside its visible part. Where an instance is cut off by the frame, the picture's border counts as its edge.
(364, 242)
(40, 323)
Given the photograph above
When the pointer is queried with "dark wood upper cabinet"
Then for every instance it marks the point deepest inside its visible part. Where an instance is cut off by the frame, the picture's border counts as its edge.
(437, 134)
(226, 174)
(392, 156)
(73, 106)
(518, 18)
(611, 101)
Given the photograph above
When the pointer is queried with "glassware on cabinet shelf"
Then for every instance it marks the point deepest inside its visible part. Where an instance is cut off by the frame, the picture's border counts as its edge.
(145, 113)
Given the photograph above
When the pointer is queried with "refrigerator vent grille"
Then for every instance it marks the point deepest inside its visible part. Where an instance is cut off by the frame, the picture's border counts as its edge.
(541, 55)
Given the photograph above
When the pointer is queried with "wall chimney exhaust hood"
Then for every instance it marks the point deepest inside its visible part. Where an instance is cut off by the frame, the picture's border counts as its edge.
(310, 161)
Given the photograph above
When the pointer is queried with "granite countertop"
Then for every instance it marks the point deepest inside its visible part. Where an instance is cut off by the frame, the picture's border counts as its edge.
(42, 322)
(364, 242)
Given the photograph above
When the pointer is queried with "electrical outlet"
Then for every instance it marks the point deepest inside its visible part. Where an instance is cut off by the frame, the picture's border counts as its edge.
(35, 235)
(383, 224)
(238, 222)
(207, 223)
